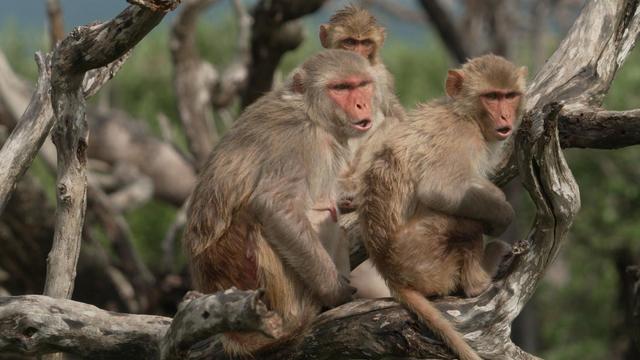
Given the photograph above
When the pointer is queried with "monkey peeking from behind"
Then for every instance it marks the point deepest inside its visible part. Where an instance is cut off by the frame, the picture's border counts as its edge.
(355, 29)
(427, 199)
(263, 213)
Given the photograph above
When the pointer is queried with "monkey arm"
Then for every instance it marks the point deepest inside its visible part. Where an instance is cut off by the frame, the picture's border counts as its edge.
(478, 199)
(289, 231)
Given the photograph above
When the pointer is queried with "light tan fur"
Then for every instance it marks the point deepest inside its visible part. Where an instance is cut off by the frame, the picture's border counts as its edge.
(259, 213)
(427, 201)
(356, 23)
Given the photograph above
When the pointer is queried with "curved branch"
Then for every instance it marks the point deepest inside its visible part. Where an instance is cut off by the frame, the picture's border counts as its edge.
(580, 71)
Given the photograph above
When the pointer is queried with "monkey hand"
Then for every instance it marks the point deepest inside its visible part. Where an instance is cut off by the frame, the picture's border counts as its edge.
(340, 293)
(347, 205)
(501, 217)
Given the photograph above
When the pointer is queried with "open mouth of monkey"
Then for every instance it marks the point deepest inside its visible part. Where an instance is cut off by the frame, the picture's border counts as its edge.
(503, 132)
(362, 125)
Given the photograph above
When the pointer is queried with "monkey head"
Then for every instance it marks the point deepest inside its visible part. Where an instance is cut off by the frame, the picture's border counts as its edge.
(489, 89)
(338, 86)
(353, 29)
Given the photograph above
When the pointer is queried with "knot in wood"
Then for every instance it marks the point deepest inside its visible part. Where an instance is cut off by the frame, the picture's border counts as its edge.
(63, 195)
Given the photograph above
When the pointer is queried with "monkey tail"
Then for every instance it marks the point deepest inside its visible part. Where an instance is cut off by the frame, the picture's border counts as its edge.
(432, 317)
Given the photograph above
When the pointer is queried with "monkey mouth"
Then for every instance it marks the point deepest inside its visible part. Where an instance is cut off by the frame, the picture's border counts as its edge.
(362, 125)
(503, 132)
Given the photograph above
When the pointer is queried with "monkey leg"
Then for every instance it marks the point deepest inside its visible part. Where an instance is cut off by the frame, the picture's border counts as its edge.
(242, 258)
(422, 257)
(474, 280)
(324, 219)
(495, 253)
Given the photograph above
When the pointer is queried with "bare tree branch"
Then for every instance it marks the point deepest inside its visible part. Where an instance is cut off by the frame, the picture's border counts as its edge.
(22, 145)
(40, 325)
(199, 318)
(56, 24)
(193, 81)
(273, 34)
(72, 58)
(599, 129)
(446, 28)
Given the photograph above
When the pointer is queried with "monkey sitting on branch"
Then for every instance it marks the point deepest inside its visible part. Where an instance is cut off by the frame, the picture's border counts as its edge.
(427, 200)
(355, 29)
(264, 214)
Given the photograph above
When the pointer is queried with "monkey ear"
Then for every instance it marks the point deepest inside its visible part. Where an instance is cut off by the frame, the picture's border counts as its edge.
(524, 72)
(324, 35)
(453, 84)
(383, 36)
(297, 85)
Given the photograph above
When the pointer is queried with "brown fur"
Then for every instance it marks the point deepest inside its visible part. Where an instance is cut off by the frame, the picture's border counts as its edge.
(427, 201)
(258, 218)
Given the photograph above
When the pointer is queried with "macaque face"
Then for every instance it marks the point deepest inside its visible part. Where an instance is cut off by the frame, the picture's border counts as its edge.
(353, 94)
(364, 47)
(502, 107)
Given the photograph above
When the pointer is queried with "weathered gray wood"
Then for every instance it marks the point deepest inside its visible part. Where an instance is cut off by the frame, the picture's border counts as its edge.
(580, 71)
(86, 48)
(201, 317)
(193, 81)
(197, 83)
(36, 324)
(19, 150)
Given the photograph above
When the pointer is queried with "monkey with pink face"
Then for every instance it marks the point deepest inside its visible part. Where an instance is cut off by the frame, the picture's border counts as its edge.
(427, 200)
(264, 213)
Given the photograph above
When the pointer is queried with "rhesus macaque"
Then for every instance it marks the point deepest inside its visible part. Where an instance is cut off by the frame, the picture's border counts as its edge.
(264, 213)
(355, 29)
(427, 201)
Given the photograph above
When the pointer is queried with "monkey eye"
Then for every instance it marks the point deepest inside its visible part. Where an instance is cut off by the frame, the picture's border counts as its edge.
(367, 42)
(350, 42)
(340, 86)
(512, 95)
(491, 95)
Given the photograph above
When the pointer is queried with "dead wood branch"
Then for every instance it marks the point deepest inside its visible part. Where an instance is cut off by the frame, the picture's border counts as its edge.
(35, 324)
(197, 83)
(599, 129)
(74, 56)
(447, 29)
(274, 32)
(56, 24)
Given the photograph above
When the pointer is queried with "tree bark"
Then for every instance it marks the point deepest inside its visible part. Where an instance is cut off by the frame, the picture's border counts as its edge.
(274, 32)
(72, 59)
